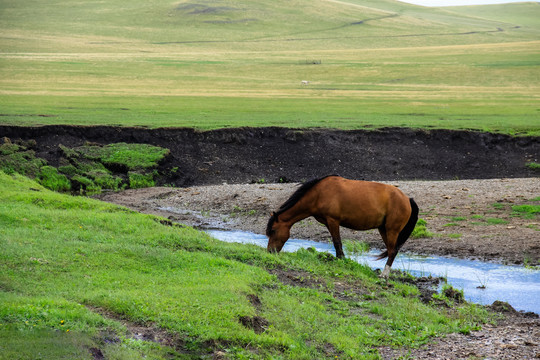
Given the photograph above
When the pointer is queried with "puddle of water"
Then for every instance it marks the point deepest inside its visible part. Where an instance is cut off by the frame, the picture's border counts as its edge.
(518, 286)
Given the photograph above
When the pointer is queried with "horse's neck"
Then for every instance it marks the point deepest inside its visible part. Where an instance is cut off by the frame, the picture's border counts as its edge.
(295, 214)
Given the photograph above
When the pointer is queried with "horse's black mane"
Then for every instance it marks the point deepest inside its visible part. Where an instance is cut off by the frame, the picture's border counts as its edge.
(298, 194)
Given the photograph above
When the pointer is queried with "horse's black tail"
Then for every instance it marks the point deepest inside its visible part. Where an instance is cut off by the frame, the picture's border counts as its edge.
(407, 230)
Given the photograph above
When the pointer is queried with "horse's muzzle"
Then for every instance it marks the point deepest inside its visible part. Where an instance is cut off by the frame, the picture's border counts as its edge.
(273, 250)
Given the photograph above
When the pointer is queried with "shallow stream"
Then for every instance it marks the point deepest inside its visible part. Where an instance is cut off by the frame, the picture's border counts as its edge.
(482, 282)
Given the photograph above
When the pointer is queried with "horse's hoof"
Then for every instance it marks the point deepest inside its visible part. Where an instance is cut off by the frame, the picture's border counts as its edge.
(386, 272)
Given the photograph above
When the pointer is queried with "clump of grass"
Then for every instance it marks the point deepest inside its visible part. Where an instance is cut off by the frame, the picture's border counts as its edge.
(533, 165)
(496, 221)
(355, 248)
(449, 295)
(68, 170)
(51, 179)
(86, 185)
(18, 158)
(89, 168)
(499, 206)
(450, 224)
(527, 211)
(97, 163)
(8, 148)
(130, 156)
(140, 180)
(455, 220)
(105, 180)
(421, 231)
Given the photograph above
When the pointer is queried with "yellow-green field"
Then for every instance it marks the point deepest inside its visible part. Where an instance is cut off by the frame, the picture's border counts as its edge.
(242, 63)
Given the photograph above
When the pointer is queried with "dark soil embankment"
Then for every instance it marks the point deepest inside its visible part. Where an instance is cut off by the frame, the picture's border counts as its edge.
(278, 154)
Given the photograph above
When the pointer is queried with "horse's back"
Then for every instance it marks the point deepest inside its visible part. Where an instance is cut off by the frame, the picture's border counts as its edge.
(360, 204)
(335, 186)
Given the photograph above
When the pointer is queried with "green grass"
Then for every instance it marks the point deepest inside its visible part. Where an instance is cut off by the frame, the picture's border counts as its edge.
(496, 221)
(527, 211)
(355, 247)
(20, 159)
(50, 178)
(159, 64)
(533, 165)
(131, 156)
(420, 230)
(87, 169)
(72, 263)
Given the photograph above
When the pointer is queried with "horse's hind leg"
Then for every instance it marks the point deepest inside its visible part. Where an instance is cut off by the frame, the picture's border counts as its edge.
(333, 227)
(390, 240)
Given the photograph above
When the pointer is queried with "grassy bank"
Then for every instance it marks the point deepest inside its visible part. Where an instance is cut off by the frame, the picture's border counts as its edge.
(86, 169)
(234, 64)
(78, 276)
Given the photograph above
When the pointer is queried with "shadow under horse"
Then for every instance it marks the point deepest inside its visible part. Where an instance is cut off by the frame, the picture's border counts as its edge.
(359, 205)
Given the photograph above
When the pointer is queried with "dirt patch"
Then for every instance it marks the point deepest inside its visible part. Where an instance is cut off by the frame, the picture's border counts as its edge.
(515, 337)
(255, 323)
(152, 333)
(468, 218)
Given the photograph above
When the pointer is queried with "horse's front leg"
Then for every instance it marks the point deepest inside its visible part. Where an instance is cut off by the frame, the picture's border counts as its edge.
(333, 227)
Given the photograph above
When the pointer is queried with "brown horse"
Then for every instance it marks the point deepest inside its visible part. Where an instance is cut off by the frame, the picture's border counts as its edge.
(358, 205)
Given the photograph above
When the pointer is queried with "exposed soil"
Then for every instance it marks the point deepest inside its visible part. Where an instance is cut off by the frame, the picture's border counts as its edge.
(239, 156)
(516, 337)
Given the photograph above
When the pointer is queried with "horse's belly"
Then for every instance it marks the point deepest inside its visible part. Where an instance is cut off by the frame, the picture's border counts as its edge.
(363, 224)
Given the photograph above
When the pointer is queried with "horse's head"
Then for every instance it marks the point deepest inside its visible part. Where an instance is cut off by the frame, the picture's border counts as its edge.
(277, 232)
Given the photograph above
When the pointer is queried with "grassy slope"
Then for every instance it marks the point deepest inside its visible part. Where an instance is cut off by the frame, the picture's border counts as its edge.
(66, 261)
(232, 63)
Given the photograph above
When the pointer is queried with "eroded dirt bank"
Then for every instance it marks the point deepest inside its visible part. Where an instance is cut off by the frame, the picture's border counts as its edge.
(277, 154)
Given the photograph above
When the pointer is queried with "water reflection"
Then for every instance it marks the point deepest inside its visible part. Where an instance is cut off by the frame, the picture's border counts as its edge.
(516, 285)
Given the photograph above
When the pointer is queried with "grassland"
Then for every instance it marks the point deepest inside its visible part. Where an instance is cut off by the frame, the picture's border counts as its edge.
(76, 274)
(230, 64)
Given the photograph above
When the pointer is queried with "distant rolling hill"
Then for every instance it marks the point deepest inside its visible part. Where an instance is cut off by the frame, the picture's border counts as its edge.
(229, 63)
